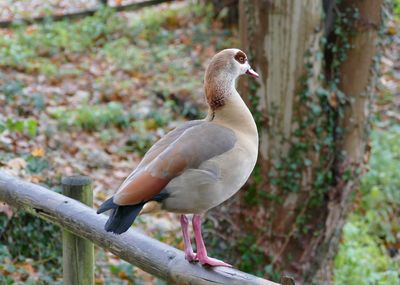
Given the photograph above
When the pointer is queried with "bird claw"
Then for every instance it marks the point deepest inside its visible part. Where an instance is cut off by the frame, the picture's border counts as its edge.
(209, 261)
(191, 256)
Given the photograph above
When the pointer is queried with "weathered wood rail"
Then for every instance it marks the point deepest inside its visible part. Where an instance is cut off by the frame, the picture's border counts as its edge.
(150, 255)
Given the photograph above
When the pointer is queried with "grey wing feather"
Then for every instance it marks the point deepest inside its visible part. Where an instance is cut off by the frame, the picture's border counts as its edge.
(186, 147)
(193, 147)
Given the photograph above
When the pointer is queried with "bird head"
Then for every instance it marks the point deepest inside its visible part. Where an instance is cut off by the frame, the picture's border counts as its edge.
(228, 63)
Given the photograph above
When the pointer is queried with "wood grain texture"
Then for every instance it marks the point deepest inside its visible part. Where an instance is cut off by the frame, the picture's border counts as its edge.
(152, 256)
(78, 253)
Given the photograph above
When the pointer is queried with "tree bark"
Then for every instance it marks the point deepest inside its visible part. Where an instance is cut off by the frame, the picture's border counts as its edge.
(227, 9)
(357, 79)
(313, 131)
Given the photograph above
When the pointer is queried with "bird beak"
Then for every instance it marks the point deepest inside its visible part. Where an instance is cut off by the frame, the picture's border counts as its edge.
(252, 73)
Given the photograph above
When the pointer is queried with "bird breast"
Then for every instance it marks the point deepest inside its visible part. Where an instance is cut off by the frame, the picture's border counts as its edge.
(215, 181)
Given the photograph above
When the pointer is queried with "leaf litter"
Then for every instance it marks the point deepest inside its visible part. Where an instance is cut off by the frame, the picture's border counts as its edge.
(90, 97)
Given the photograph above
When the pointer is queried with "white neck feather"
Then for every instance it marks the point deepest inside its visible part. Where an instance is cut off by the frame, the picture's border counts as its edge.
(234, 114)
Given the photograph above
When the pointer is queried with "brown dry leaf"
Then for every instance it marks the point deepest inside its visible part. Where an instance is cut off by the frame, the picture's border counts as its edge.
(4, 208)
(181, 245)
(333, 101)
(172, 22)
(98, 281)
(101, 196)
(36, 179)
(28, 267)
(186, 40)
(31, 29)
(122, 275)
(38, 152)
(17, 163)
(391, 29)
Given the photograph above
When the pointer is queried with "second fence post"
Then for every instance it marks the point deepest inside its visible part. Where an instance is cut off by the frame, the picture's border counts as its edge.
(78, 253)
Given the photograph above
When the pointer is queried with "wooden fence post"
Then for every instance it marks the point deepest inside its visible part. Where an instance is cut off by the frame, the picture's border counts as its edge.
(78, 253)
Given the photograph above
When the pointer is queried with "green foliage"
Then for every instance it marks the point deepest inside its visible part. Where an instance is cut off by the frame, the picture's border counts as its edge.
(124, 54)
(33, 49)
(33, 238)
(140, 142)
(125, 270)
(251, 254)
(94, 117)
(396, 8)
(12, 89)
(26, 126)
(5, 264)
(363, 257)
(36, 164)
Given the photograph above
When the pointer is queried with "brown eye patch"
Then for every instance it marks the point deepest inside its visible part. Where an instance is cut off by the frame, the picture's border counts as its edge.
(240, 57)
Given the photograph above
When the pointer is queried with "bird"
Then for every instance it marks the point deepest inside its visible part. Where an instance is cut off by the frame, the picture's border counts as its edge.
(198, 165)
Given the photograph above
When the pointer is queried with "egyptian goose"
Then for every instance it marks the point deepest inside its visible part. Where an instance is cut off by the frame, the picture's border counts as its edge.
(198, 165)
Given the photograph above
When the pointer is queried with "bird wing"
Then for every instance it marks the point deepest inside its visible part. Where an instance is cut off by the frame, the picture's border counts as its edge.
(184, 148)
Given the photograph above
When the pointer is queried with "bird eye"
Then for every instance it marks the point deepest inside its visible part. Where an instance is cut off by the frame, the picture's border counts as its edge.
(240, 57)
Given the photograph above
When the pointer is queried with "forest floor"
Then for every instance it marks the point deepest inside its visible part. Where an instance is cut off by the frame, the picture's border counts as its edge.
(90, 97)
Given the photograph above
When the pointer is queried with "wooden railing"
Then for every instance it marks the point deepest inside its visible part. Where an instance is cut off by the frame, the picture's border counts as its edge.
(152, 256)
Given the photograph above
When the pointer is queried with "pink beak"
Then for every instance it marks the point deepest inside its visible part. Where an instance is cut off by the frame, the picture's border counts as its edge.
(252, 73)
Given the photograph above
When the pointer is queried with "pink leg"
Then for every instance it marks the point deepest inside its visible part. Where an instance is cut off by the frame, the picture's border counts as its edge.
(189, 254)
(201, 248)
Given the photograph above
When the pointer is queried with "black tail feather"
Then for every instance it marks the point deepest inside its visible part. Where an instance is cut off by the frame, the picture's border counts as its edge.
(107, 205)
(122, 217)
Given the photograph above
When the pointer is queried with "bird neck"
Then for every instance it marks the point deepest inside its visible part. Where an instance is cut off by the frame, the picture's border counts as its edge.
(232, 112)
(218, 85)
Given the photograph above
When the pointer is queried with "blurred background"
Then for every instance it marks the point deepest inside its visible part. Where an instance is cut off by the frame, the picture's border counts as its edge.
(86, 87)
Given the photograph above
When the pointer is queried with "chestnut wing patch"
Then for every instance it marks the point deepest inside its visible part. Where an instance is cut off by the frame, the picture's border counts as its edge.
(161, 145)
(194, 146)
(142, 187)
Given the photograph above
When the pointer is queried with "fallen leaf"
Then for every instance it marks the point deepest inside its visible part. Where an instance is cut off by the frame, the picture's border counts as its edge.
(28, 267)
(98, 281)
(36, 179)
(16, 163)
(391, 29)
(333, 101)
(122, 275)
(31, 29)
(101, 195)
(38, 152)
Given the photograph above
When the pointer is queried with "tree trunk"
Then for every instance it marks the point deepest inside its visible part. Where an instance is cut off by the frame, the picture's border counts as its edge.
(227, 10)
(312, 107)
